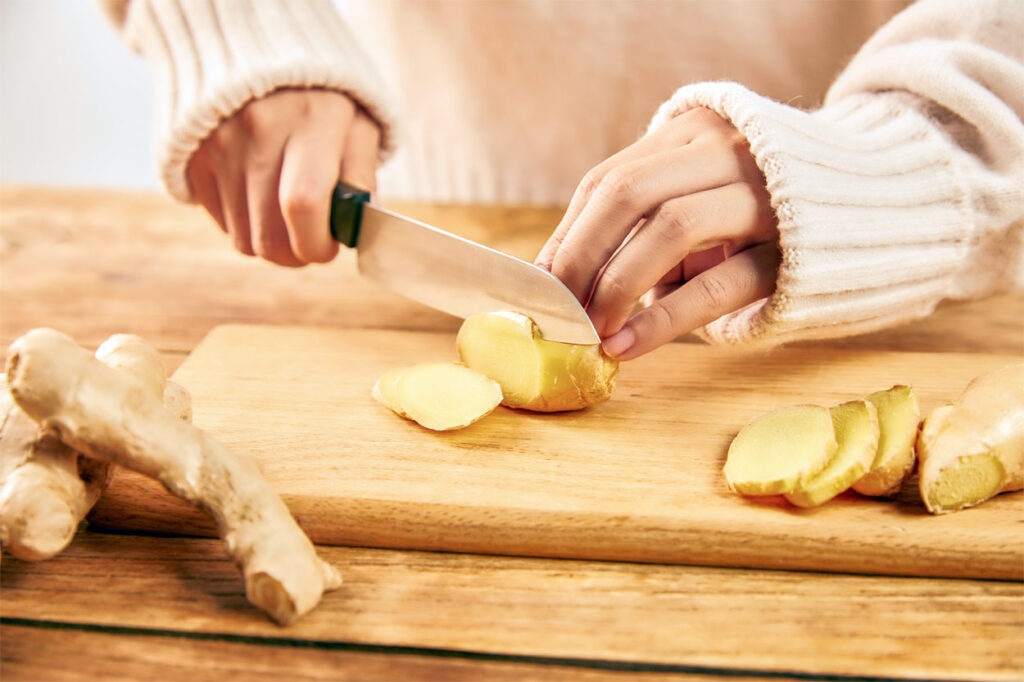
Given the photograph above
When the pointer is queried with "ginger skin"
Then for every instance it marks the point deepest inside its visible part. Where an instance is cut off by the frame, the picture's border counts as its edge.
(99, 411)
(46, 487)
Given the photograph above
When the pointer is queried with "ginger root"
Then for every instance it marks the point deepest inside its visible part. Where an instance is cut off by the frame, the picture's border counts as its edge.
(109, 416)
(973, 449)
(47, 488)
(780, 450)
(534, 373)
(438, 395)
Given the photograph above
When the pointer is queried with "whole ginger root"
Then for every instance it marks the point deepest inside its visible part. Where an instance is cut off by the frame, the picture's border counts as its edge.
(46, 487)
(112, 417)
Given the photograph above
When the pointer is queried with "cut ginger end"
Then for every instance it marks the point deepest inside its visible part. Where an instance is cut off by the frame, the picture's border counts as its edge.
(973, 449)
(534, 373)
(778, 451)
(440, 396)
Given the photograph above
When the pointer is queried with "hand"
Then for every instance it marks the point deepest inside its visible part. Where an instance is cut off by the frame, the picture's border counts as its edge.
(266, 174)
(683, 213)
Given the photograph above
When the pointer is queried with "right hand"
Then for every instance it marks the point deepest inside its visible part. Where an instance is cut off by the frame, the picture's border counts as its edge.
(267, 173)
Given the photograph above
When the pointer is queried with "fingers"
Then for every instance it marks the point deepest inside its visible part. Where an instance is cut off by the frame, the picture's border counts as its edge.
(270, 238)
(204, 188)
(730, 215)
(735, 282)
(627, 193)
(266, 174)
(676, 133)
(228, 169)
(359, 163)
(309, 172)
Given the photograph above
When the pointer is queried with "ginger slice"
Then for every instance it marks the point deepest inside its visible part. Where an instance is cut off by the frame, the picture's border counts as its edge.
(534, 373)
(99, 411)
(898, 420)
(778, 451)
(973, 449)
(441, 396)
(857, 433)
(47, 488)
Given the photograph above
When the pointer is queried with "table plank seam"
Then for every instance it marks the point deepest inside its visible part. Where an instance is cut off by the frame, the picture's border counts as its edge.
(441, 652)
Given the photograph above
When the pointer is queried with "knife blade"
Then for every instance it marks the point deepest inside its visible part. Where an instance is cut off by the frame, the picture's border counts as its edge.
(451, 273)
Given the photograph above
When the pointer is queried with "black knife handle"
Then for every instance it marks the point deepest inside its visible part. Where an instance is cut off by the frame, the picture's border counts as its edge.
(347, 213)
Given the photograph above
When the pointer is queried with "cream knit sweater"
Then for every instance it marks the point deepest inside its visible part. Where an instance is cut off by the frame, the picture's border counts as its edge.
(898, 186)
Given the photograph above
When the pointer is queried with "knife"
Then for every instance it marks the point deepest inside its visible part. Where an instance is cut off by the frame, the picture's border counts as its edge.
(451, 273)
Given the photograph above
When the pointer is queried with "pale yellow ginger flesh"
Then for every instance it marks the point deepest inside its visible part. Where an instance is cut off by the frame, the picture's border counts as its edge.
(973, 449)
(441, 396)
(856, 428)
(898, 420)
(534, 373)
(778, 451)
(109, 416)
(47, 488)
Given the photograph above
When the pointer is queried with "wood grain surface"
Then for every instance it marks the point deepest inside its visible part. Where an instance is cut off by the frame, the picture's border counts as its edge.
(637, 478)
(555, 614)
(126, 606)
(66, 653)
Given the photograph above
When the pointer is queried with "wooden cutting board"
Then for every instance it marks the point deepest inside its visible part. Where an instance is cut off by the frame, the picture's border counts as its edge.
(637, 478)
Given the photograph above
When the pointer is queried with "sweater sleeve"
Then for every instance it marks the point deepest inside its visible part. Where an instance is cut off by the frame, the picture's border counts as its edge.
(906, 188)
(211, 57)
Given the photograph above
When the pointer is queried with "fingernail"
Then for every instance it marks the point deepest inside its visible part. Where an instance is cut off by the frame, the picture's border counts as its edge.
(619, 342)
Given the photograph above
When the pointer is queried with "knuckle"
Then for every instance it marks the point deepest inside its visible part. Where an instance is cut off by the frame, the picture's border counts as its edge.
(614, 289)
(221, 139)
(712, 293)
(702, 116)
(256, 120)
(682, 220)
(565, 268)
(590, 182)
(619, 186)
(299, 203)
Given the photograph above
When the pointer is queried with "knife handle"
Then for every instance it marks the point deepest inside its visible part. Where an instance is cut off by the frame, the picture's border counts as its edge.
(347, 213)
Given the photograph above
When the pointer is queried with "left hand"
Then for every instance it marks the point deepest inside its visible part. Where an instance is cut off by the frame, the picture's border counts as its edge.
(683, 213)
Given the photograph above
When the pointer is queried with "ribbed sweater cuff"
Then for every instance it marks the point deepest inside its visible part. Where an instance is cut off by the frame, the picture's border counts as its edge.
(211, 57)
(872, 218)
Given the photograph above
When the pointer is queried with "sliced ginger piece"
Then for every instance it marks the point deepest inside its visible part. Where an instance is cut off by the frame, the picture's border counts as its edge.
(385, 390)
(438, 395)
(973, 449)
(778, 451)
(534, 373)
(898, 418)
(857, 433)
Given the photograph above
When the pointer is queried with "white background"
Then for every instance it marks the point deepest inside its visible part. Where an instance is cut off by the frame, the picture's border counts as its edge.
(75, 103)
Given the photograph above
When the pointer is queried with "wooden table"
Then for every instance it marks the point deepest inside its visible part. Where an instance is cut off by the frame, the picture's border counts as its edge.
(92, 263)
